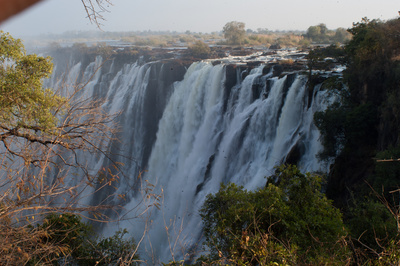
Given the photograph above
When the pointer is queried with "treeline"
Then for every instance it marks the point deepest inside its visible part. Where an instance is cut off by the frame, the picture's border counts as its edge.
(233, 33)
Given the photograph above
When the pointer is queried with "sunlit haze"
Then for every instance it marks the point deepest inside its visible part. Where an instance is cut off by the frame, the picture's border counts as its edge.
(58, 16)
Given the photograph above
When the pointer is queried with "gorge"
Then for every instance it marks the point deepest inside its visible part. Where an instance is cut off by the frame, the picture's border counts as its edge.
(185, 127)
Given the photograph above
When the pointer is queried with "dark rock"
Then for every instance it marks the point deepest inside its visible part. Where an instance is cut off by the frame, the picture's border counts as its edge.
(275, 47)
(295, 154)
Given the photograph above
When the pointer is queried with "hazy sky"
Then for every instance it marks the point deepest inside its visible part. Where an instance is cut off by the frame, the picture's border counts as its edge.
(58, 16)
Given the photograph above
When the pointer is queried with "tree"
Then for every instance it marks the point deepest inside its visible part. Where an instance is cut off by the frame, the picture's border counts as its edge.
(358, 128)
(313, 32)
(81, 245)
(44, 139)
(199, 49)
(234, 32)
(287, 222)
(318, 33)
(262, 31)
(341, 35)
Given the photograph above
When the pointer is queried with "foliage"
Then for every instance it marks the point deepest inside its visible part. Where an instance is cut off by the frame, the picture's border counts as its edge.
(324, 58)
(115, 249)
(368, 120)
(360, 127)
(321, 34)
(44, 139)
(82, 245)
(66, 230)
(104, 50)
(345, 128)
(390, 255)
(371, 77)
(372, 216)
(341, 36)
(364, 124)
(372, 64)
(285, 222)
(318, 33)
(387, 171)
(331, 126)
(23, 245)
(199, 49)
(30, 106)
(234, 32)
(370, 224)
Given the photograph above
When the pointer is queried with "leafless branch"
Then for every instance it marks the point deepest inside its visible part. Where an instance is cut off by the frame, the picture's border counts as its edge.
(95, 9)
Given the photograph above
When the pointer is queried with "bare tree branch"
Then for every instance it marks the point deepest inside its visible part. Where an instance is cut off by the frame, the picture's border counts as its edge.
(95, 9)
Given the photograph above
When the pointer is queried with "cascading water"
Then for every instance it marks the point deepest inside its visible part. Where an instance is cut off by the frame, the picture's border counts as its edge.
(192, 134)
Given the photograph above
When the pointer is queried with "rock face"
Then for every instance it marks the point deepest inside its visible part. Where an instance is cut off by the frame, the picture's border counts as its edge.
(275, 46)
(192, 127)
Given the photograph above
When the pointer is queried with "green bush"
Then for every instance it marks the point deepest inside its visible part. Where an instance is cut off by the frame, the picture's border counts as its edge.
(287, 222)
(371, 224)
(331, 124)
(82, 246)
(199, 49)
(67, 231)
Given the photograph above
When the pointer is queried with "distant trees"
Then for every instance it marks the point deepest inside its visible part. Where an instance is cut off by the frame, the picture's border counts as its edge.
(199, 49)
(234, 32)
(262, 31)
(341, 35)
(321, 34)
(318, 33)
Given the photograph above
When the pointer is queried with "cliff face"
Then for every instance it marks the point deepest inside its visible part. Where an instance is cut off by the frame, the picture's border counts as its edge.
(189, 128)
(164, 68)
(371, 125)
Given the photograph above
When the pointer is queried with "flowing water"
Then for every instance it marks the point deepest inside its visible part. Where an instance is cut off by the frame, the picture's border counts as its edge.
(189, 131)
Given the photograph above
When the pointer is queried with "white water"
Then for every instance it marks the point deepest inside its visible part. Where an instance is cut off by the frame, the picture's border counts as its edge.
(204, 137)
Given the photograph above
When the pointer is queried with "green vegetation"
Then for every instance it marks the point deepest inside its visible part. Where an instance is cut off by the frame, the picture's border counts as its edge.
(287, 222)
(321, 35)
(199, 49)
(234, 32)
(30, 106)
(291, 221)
(364, 125)
(80, 245)
(42, 133)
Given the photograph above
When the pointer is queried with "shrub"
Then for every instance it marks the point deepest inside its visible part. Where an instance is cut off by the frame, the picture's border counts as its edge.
(290, 221)
(199, 49)
(82, 246)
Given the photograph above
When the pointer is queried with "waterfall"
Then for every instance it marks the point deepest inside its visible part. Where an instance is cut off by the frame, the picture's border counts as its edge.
(190, 131)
